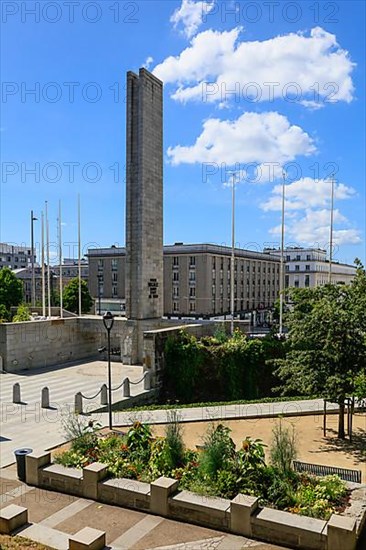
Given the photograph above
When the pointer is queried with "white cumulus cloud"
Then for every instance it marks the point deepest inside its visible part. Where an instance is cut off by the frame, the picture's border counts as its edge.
(309, 68)
(190, 15)
(306, 193)
(253, 137)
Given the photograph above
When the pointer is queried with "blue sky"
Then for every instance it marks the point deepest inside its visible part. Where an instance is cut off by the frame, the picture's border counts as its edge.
(250, 88)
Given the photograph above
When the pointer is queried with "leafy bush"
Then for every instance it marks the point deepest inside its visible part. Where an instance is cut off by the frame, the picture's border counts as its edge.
(138, 440)
(174, 440)
(218, 450)
(22, 314)
(283, 448)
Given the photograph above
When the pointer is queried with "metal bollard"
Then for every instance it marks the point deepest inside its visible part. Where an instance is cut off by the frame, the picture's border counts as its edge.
(104, 395)
(147, 380)
(45, 398)
(78, 403)
(126, 388)
(16, 393)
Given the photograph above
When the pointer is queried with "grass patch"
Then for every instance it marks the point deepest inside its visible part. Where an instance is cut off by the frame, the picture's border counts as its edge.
(177, 405)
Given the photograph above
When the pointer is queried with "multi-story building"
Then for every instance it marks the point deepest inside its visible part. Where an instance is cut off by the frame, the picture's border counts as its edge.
(197, 280)
(16, 257)
(25, 275)
(309, 267)
(70, 270)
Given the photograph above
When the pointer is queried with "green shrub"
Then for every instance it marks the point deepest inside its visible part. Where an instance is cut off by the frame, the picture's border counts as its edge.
(218, 450)
(283, 448)
(174, 440)
(22, 314)
(138, 440)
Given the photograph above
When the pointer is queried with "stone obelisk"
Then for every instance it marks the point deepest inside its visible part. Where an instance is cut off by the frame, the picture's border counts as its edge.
(144, 196)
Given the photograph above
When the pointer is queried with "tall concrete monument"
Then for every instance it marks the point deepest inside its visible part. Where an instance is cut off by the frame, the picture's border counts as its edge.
(144, 196)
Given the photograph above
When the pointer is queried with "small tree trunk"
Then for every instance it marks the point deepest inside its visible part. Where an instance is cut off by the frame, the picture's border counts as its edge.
(341, 433)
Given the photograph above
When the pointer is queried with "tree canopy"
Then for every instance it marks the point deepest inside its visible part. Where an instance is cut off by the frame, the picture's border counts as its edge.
(11, 289)
(71, 297)
(326, 346)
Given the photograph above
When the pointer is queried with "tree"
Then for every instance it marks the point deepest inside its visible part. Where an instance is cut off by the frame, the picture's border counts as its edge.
(326, 348)
(11, 289)
(71, 297)
(22, 314)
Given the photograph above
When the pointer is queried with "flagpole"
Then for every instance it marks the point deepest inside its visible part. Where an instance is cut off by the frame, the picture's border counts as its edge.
(48, 261)
(232, 300)
(43, 272)
(60, 256)
(79, 254)
(331, 232)
(282, 253)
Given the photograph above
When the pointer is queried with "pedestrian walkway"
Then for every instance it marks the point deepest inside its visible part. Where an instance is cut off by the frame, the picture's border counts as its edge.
(29, 425)
(54, 516)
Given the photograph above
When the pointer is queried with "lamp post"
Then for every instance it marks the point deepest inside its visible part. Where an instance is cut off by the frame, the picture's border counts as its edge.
(108, 320)
(33, 293)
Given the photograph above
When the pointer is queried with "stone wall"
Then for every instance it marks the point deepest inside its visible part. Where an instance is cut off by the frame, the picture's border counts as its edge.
(241, 516)
(36, 344)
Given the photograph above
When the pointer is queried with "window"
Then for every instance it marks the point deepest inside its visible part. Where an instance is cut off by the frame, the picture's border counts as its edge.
(192, 276)
(287, 268)
(308, 257)
(298, 257)
(288, 258)
(192, 261)
(114, 290)
(213, 290)
(213, 263)
(175, 261)
(175, 291)
(307, 267)
(176, 276)
(114, 264)
(297, 268)
(192, 306)
(192, 292)
(286, 281)
(100, 265)
(114, 277)
(296, 284)
(307, 280)
(175, 307)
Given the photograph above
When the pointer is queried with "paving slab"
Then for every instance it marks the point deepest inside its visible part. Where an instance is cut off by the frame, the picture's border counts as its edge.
(42, 504)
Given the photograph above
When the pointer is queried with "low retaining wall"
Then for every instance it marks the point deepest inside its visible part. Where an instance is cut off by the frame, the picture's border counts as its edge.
(241, 516)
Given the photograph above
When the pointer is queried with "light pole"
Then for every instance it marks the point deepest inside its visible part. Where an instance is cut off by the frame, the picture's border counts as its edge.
(282, 265)
(232, 280)
(108, 320)
(33, 293)
(331, 231)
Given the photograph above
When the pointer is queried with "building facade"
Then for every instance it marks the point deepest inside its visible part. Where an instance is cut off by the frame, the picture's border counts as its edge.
(16, 257)
(309, 267)
(25, 275)
(197, 279)
(70, 270)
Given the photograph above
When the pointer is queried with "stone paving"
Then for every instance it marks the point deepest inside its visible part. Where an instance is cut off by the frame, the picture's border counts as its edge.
(28, 425)
(53, 516)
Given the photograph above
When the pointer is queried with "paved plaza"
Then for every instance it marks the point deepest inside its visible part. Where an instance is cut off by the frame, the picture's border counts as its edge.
(28, 425)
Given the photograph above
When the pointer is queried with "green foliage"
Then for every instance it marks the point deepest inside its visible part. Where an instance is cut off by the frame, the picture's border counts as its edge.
(71, 297)
(174, 440)
(360, 385)
(218, 450)
(183, 358)
(22, 314)
(4, 314)
(283, 448)
(218, 470)
(11, 289)
(326, 348)
(318, 497)
(138, 440)
(232, 367)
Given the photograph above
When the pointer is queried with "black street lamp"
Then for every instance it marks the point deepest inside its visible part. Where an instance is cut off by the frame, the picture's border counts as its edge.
(108, 320)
